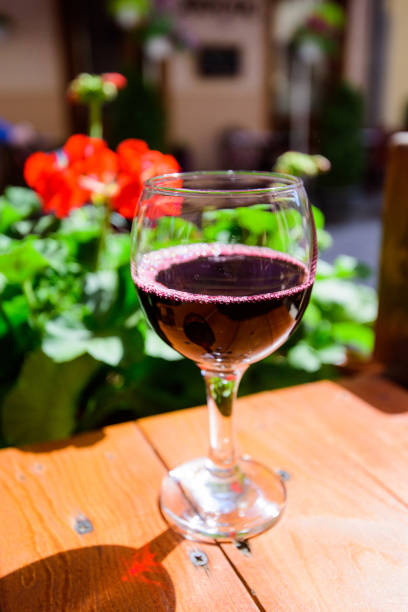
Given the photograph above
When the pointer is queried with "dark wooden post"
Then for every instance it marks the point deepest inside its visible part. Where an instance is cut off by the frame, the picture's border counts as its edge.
(391, 347)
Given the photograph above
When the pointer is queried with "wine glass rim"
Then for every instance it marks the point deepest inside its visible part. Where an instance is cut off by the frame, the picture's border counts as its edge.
(157, 184)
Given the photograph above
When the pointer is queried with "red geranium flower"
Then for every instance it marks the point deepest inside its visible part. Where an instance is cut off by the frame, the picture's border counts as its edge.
(57, 186)
(137, 164)
(130, 153)
(86, 170)
(155, 163)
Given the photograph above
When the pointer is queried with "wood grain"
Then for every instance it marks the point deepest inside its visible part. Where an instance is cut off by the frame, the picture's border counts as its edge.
(343, 542)
(391, 346)
(367, 417)
(107, 482)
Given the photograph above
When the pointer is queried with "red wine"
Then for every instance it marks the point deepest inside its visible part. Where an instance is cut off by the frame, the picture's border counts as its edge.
(222, 304)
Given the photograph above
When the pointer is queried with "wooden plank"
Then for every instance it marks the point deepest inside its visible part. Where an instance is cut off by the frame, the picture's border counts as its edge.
(367, 417)
(343, 542)
(107, 483)
(391, 347)
(378, 428)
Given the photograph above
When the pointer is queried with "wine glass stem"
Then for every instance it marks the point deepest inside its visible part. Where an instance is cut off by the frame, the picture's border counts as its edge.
(221, 394)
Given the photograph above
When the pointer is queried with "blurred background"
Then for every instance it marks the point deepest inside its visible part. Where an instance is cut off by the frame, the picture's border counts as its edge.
(218, 84)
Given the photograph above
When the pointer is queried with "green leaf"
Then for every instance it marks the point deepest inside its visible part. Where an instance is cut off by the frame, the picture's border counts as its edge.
(127, 302)
(16, 309)
(46, 224)
(343, 300)
(22, 229)
(22, 198)
(65, 339)
(117, 252)
(255, 220)
(55, 252)
(106, 349)
(321, 335)
(346, 266)
(156, 347)
(304, 357)
(318, 217)
(22, 262)
(312, 315)
(100, 291)
(334, 354)
(83, 221)
(8, 215)
(82, 231)
(324, 270)
(17, 331)
(297, 163)
(355, 335)
(43, 403)
(63, 350)
(324, 240)
(174, 230)
(133, 346)
(6, 243)
(221, 226)
(17, 204)
(3, 283)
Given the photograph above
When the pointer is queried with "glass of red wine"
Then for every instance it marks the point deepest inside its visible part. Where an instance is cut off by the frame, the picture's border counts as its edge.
(224, 264)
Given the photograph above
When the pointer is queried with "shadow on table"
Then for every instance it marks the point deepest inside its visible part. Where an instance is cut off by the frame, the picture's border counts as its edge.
(103, 578)
(378, 391)
(80, 440)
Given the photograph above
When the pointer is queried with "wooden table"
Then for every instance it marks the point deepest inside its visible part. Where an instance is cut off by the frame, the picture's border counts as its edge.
(80, 528)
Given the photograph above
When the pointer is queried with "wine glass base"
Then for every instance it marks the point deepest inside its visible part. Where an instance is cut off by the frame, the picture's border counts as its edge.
(230, 506)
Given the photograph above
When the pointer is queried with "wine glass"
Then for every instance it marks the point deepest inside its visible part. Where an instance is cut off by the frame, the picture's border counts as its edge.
(224, 264)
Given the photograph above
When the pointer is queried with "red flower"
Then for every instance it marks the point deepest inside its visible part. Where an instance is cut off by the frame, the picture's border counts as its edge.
(130, 153)
(69, 178)
(115, 78)
(137, 163)
(92, 161)
(125, 201)
(155, 163)
(54, 182)
(86, 170)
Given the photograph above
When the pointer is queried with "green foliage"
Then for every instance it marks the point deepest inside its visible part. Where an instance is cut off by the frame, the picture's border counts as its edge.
(76, 351)
(341, 136)
(338, 321)
(301, 164)
(42, 404)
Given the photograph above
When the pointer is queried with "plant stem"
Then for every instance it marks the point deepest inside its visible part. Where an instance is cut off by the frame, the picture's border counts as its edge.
(221, 393)
(95, 119)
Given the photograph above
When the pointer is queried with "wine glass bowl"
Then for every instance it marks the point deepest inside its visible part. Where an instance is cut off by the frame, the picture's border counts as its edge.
(224, 264)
